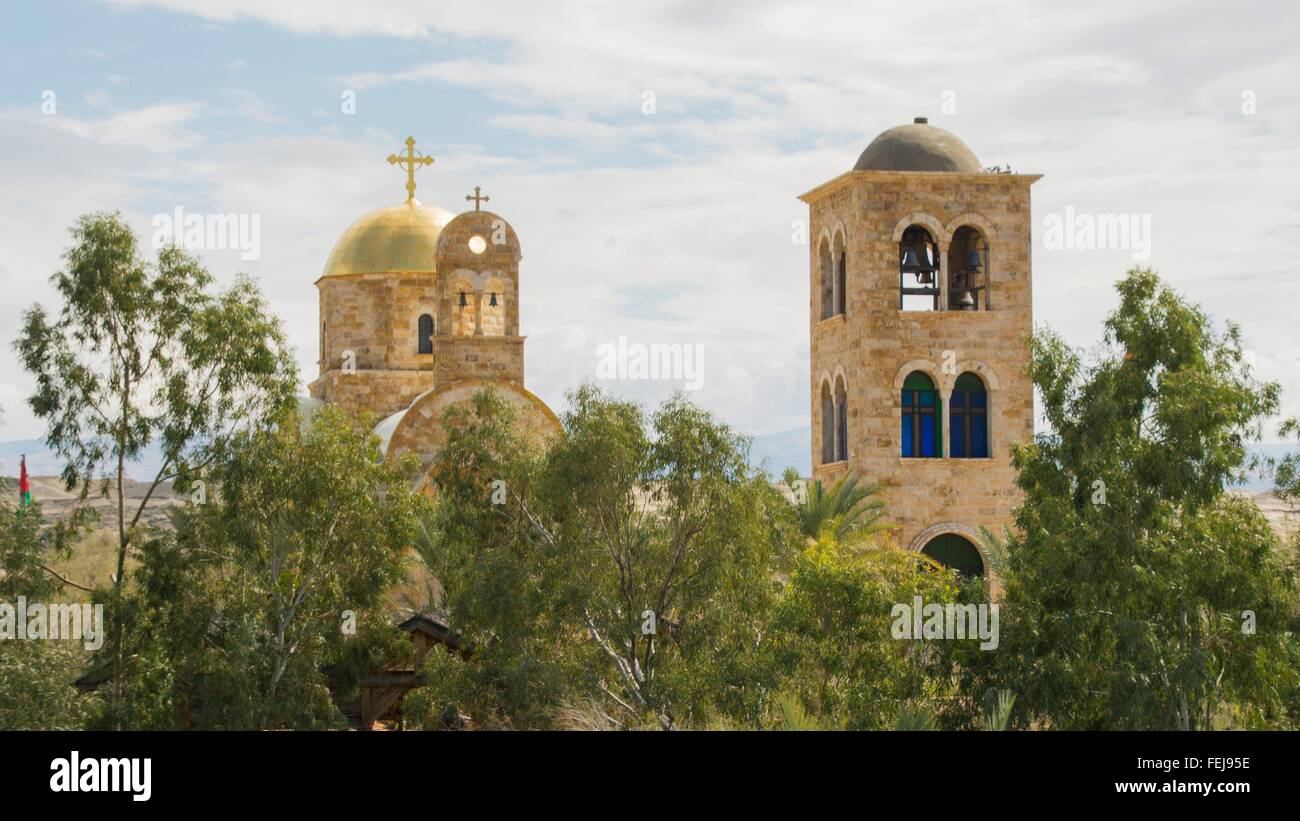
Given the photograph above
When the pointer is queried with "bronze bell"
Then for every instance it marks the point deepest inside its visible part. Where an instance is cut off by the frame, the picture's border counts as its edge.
(493, 302)
(973, 260)
(911, 261)
(463, 302)
(916, 260)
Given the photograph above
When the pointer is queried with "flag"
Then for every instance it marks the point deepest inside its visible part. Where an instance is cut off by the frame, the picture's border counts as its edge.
(24, 487)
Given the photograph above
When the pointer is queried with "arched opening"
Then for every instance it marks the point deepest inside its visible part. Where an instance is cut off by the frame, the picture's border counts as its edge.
(968, 412)
(956, 552)
(918, 270)
(424, 333)
(922, 418)
(828, 424)
(463, 308)
(492, 310)
(827, 277)
(841, 300)
(841, 420)
(968, 266)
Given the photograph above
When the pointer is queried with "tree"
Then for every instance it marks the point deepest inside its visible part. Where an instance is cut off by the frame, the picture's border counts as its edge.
(847, 510)
(1139, 594)
(142, 352)
(830, 638)
(632, 561)
(36, 676)
(242, 616)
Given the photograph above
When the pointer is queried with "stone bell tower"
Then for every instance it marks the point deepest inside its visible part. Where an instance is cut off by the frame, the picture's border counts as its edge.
(921, 312)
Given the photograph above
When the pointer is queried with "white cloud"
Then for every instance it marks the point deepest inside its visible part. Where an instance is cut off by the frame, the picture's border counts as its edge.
(163, 128)
(1124, 107)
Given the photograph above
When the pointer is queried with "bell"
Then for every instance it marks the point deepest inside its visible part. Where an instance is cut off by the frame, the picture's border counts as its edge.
(916, 260)
(463, 301)
(911, 261)
(966, 302)
(493, 302)
(973, 260)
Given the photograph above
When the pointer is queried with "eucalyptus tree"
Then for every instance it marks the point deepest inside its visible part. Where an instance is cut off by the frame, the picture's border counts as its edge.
(631, 560)
(146, 352)
(1139, 592)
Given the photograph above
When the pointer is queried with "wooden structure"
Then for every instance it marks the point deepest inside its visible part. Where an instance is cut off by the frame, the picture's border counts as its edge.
(382, 693)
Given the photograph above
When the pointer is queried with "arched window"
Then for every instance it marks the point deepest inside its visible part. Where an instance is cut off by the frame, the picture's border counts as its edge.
(969, 418)
(918, 271)
(492, 310)
(827, 276)
(424, 333)
(841, 259)
(922, 418)
(968, 266)
(956, 552)
(464, 312)
(841, 421)
(828, 425)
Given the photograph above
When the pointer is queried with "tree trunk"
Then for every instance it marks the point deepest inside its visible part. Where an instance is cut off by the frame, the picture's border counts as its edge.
(121, 554)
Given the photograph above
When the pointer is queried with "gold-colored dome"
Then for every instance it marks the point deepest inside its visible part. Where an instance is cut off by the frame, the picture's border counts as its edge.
(400, 238)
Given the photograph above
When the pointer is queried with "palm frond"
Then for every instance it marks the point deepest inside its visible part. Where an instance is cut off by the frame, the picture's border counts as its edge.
(914, 718)
(997, 714)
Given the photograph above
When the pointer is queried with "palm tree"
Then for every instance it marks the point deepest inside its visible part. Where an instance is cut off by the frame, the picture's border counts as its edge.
(998, 705)
(995, 548)
(914, 718)
(848, 511)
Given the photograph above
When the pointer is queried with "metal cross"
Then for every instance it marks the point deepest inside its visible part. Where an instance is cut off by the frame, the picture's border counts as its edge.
(477, 198)
(412, 160)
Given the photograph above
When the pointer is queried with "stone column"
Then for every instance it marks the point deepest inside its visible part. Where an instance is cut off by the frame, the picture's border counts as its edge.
(945, 395)
(943, 281)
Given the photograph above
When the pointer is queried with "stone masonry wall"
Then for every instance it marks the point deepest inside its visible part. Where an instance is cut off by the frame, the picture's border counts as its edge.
(875, 344)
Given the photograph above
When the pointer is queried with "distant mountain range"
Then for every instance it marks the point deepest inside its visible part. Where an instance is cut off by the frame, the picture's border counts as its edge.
(773, 452)
(791, 448)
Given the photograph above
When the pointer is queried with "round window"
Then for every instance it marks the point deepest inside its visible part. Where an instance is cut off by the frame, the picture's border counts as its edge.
(477, 244)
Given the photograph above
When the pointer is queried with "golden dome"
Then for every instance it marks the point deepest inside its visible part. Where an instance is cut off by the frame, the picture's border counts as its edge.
(400, 238)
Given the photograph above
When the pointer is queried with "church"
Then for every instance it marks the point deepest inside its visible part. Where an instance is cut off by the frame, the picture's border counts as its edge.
(920, 310)
(920, 314)
(419, 310)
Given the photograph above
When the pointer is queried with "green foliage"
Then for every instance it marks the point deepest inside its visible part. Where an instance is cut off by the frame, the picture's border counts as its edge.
(237, 620)
(28, 542)
(624, 517)
(1132, 569)
(848, 510)
(831, 643)
(998, 705)
(36, 686)
(795, 717)
(143, 352)
(36, 676)
(914, 718)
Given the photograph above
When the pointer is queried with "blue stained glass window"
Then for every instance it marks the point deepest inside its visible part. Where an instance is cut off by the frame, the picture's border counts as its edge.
(969, 412)
(922, 425)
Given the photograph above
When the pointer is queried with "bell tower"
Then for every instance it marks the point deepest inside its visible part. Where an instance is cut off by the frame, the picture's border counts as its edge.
(920, 317)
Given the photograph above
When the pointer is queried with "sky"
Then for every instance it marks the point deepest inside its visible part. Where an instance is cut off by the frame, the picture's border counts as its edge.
(650, 155)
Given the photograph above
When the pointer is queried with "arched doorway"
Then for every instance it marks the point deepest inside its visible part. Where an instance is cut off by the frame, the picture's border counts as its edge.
(956, 552)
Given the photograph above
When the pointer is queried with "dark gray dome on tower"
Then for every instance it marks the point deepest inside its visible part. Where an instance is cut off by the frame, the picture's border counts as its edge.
(918, 146)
